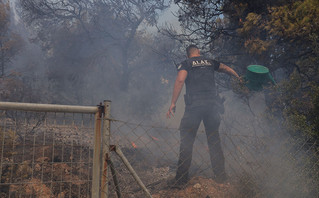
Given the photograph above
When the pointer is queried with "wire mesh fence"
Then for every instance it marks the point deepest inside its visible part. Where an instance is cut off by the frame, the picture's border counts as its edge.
(50, 154)
(258, 165)
(46, 154)
(262, 159)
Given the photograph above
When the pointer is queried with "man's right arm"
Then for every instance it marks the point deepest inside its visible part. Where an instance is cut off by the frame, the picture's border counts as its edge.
(179, 83)
(225, 69)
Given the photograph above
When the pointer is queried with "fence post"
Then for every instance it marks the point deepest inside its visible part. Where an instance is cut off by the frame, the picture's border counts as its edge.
(96, 156)
(106, 148)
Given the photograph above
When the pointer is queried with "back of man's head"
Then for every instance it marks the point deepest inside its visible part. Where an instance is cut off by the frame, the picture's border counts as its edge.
(192, 49)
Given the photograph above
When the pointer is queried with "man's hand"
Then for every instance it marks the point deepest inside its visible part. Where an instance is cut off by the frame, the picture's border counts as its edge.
(227, 70)
(238, 80)
(239, 87)
(241, 80)
(171, 111)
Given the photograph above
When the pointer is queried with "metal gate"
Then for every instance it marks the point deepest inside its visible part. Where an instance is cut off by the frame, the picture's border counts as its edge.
(51, 150)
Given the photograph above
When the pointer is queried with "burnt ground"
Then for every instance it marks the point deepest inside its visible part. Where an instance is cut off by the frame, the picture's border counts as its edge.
(198, 187)
(59, 172)
(57, 162)
(44, 163)
(155, 173)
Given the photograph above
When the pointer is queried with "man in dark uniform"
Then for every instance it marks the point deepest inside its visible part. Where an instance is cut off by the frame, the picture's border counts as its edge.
(197, 72)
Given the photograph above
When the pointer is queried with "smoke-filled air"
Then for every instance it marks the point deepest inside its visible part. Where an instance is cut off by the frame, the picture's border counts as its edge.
(159, 98)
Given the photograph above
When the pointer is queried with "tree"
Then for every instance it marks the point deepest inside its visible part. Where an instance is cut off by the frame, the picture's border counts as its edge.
(10, 43)
(105, 54)
(282, 35)
(112, 20)
(294, 28)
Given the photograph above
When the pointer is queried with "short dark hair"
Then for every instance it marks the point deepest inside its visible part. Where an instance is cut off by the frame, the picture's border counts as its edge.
(190, 49)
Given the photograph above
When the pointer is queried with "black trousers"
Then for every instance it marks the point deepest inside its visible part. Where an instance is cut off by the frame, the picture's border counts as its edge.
(190, 122)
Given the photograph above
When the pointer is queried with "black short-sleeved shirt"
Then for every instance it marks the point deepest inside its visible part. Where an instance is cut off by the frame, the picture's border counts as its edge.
(200, 75)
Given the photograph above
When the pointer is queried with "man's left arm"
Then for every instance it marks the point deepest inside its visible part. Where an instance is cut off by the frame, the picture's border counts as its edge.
(226, 69)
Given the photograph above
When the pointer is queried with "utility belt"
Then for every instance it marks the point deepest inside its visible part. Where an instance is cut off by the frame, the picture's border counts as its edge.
(205, 98)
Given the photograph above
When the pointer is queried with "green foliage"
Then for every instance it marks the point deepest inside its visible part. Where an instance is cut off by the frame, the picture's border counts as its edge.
(252, 31)
(289, 34)
(278, 34)
(296, 21)
(298, 103)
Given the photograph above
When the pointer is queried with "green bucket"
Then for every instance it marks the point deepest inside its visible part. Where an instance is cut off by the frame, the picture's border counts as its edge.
(258, 76)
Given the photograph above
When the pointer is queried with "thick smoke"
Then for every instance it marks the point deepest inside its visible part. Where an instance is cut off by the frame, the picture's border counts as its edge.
(80, 68)
(101, 57)
(257, 146)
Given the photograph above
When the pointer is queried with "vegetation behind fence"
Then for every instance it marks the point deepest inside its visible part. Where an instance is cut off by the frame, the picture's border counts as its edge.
(49, 154)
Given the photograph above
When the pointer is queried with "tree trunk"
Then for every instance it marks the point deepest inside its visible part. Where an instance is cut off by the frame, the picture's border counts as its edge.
(2, 60)
(125, 48)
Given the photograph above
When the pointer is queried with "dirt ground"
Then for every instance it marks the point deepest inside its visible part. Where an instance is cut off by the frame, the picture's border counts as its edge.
(198, 187)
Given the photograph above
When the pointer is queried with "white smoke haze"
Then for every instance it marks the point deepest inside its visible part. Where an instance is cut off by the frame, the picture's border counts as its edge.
(261, 157)
(259, 147)
(258, 151)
